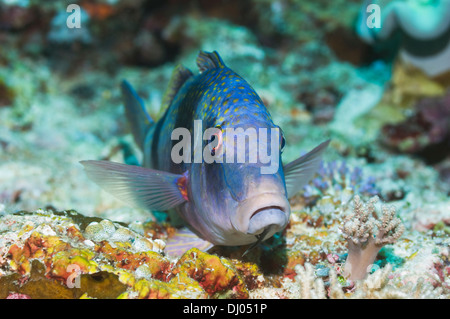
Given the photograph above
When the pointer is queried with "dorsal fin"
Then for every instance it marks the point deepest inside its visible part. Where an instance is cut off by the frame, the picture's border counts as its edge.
(209, 60)
(179, 75)
(138, 118)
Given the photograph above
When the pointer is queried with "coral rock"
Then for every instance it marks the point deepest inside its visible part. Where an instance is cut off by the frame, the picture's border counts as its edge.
(216, 275)
(428, 126)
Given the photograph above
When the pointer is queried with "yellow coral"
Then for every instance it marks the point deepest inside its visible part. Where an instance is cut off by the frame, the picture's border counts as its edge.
(408, 84)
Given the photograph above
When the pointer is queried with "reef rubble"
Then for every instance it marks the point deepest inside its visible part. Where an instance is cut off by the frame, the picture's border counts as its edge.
(49, 254)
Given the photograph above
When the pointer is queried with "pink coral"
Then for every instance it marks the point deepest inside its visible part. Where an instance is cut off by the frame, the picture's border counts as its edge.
(366, 234)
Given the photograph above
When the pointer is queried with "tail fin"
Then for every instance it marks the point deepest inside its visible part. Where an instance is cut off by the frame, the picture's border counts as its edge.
(140, 121)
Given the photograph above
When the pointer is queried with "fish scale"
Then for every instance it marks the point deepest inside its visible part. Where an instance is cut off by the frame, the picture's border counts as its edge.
(226, 94)
(216, 96)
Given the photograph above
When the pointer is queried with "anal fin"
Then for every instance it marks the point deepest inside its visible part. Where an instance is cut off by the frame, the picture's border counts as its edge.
(182, 241)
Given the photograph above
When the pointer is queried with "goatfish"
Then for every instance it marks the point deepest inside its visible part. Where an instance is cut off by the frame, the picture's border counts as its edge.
(223, 202)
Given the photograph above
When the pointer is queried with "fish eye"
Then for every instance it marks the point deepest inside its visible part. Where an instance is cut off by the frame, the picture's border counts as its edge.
(216, 137)
(282, 142)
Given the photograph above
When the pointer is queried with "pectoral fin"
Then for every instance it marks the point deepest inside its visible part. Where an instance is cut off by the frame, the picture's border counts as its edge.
(139, 186)
(299, 172)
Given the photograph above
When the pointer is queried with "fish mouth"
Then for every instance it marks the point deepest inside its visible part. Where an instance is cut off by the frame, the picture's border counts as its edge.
(273, 217)
(255, 214)
(259, 210)
(265, 222)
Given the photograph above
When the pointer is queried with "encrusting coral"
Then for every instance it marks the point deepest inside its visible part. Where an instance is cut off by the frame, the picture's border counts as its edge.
(67, 255)
(366, 233)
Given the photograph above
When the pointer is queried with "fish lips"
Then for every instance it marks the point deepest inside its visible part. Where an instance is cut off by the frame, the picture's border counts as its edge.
(253, 215)
(272, 217)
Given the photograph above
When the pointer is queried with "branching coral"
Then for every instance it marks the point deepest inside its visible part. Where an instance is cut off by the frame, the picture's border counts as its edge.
(310, 288)
(366, 233)
(339, 180)
(379, 286)
(376, 286)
